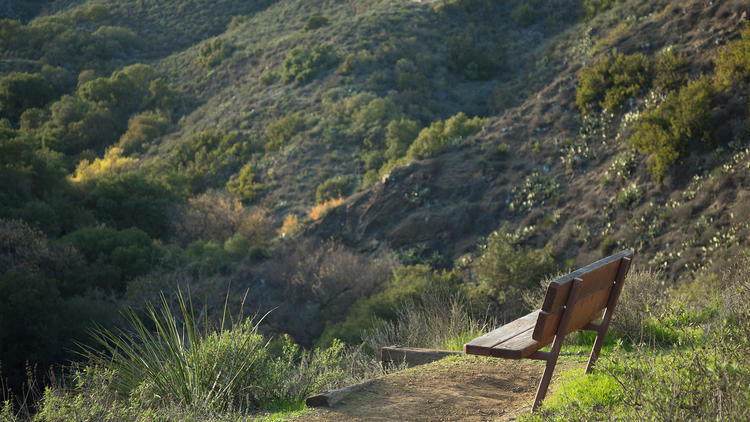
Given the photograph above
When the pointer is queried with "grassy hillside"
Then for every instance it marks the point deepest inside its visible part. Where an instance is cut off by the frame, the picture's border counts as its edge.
(330, 161)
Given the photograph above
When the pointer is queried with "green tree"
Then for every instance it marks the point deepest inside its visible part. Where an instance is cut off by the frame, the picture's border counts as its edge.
(130, 200)
(21, 90)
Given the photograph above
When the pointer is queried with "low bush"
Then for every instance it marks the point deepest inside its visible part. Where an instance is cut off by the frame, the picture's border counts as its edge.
(524, 14)
(611, 80)
(114, 257)
(733, 62)
(335, 187)
(243, 184)
(112, 163)
(280, 131)
(665, 132)
(315, 22)
(303, 65)
(629, 196)
(218, 216)
(504, 268)
(442, 134)
(213, 52)
(407, 285)
(670, 70)
(475, 57)
(205, 160)
(143, 129)
(183, 362)
(592, 8)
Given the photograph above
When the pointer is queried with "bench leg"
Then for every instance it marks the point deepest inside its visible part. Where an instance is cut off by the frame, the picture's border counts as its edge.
(611, 302)
(541, 391)
(554, 353)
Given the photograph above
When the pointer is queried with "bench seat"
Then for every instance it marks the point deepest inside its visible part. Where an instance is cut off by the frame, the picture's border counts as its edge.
(511, 341)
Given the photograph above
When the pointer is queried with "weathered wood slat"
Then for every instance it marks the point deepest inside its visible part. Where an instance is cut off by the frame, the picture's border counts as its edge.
(506, 332)
(412, 356)
(595, 277)
(331, 398)
(518, 347)
(584, 311)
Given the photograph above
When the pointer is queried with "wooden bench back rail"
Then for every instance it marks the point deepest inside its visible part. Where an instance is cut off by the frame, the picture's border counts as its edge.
(598, 280)
(572, 303)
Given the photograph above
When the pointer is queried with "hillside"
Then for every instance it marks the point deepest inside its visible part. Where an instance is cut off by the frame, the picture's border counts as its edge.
(331, 165)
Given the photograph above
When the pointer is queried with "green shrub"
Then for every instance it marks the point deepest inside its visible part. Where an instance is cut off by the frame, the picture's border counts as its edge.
(280, 131)
(670, 70)
(504, 268)
(115, 39)
(211, 53)
(524, 14)
(27, 169)
(407, 285)
(733, 63)
(399, 134)
(664, 133)
(368, 121)
(128, 200)
(114, 257)
(20, 91)
(629, 196)
(611, 80)
(440, 135)
(335, 187)
(268, 77)
(185, 363)
(348, 65)
(408, 76)
(315, 22)
(303, 65)
(474, 57)
(243, 184)
(143, 129)
(373, 160)
(207, 159)
(593, 7)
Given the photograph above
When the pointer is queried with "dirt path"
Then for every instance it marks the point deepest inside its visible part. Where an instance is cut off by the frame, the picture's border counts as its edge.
(465, 388)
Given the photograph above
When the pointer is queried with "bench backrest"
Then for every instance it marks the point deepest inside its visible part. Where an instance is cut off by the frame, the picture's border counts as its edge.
(598, 282)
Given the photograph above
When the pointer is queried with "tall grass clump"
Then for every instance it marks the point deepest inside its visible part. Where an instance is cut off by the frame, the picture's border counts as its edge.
(438, 320)
(173, 359)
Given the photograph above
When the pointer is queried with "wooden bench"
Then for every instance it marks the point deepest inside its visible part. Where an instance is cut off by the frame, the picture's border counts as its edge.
(573, 302)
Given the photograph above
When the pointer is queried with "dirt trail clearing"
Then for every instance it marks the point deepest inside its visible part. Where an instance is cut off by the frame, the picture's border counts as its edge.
(465, 388)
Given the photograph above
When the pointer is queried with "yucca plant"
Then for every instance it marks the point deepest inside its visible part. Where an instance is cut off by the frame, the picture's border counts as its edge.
(181, 361)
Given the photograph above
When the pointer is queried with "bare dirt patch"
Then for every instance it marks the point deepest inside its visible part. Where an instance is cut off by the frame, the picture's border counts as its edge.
(464, 388)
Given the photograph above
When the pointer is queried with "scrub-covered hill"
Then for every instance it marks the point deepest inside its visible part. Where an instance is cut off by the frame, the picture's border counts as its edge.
(330, 161)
